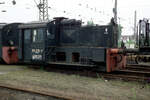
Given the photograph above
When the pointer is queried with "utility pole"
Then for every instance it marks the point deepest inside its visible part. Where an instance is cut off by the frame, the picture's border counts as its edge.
(116, 25)
(43, 10)
(115, 11)
(135, 26)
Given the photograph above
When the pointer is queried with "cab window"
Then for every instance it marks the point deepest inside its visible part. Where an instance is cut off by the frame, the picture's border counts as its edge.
(27, 34)
(37, 35)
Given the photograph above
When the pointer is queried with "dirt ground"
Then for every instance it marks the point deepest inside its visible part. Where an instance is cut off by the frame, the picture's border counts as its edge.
(7, 94)
(81, 88)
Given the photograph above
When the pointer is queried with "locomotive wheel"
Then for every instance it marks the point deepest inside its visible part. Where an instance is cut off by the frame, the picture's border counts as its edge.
(138, 60)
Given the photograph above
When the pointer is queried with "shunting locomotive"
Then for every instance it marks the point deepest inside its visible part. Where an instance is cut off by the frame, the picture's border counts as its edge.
(62, 41)
(143, 42)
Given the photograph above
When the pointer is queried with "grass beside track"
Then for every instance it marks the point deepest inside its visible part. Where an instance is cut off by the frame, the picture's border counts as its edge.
(81, 88)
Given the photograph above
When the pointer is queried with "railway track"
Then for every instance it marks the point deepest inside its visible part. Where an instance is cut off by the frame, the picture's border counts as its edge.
(145, 69)
(125, 77)
(134, 72)
(137, 67)
(131, 73)
(30, 91)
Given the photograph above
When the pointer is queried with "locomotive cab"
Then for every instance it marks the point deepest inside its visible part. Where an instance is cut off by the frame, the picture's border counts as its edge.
(144, 34)
(32, 42)
(38, 40)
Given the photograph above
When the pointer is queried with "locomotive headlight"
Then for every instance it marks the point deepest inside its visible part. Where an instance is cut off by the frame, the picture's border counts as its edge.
(11, 42)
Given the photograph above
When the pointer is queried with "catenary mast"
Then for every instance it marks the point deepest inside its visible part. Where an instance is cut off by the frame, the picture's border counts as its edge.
(43, 10)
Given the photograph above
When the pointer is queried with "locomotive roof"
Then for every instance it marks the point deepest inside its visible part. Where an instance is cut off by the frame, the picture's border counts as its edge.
(71, 22)
(2, 25)
(44, 24)
(33, 25)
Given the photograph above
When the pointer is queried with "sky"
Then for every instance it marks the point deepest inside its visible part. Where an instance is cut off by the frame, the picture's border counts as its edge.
(98, 11)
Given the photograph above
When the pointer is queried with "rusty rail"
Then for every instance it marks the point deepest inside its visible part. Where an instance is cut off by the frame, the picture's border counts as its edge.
(125, 77)
(35, 92)
(126, 74)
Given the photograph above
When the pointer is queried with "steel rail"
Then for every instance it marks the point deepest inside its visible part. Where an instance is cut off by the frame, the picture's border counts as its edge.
(35, 92)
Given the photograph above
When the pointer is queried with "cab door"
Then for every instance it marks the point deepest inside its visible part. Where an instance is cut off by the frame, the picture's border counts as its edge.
(38, 45)
(27, 45)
